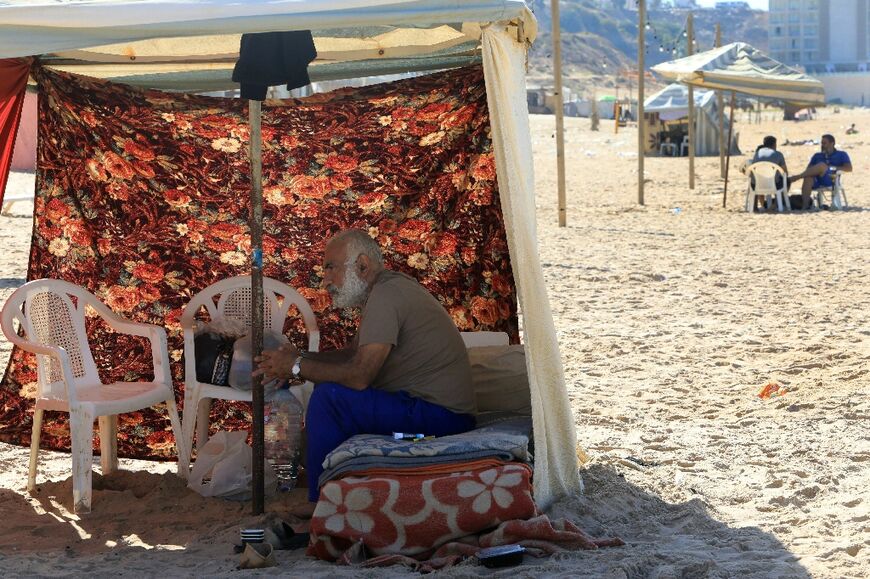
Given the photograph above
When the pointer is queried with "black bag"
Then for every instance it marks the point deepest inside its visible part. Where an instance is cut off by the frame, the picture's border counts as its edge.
(797, 202)
(214, 354)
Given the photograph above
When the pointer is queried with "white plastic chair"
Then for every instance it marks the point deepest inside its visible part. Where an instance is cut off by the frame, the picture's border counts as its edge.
(231, 299)
(668, 148)
(838, 193)
(684, 146)
(480, 339)
(13, 196)
(51, 314)
(765, 174)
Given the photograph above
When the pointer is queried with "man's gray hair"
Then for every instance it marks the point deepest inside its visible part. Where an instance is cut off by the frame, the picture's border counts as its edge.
(358, 242)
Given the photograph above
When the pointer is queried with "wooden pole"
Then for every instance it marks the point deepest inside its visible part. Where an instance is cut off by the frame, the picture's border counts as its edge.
(641, 50)
(256, 226)
(690, 41)
(560, 122)
(594, 113)
(720, 105)
(616, 110)
(728, 162)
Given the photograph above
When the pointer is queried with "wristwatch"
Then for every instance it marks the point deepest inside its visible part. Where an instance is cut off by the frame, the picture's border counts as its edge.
(297, 368)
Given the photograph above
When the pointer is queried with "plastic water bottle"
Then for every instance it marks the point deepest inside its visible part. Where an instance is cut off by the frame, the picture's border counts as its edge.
(282, 432)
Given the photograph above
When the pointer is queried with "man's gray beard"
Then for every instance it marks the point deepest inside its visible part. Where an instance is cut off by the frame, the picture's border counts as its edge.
(352, 293)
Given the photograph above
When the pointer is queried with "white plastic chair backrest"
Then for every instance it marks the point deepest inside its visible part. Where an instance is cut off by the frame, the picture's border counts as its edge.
(765, 176)
(52, 313)
(234, 302)
(479, 339)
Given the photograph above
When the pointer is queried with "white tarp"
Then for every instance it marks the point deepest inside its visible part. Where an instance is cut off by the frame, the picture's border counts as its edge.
(33, 28)
(28, 28)
(504, 68)
(741, 68)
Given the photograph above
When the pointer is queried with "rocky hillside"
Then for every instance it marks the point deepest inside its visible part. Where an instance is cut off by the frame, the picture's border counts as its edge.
(599, 39)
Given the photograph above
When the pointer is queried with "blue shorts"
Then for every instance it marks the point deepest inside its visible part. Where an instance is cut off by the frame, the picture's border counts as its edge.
(823, 181)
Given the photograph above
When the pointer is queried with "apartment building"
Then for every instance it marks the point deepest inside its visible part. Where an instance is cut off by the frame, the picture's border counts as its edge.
(822, 36)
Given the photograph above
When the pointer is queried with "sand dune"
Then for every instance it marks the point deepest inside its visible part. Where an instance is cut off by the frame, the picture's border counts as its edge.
(670, 323)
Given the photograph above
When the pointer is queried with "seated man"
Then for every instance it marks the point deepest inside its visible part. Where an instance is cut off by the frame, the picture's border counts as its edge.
(821, 169)
(767, 152)
(406, 370)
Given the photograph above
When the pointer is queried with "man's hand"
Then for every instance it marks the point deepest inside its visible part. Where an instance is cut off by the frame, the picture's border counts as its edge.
(276, 363)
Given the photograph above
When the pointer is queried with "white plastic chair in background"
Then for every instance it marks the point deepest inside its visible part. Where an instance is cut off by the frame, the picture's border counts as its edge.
(838, 193)
(51, 314)
(231, 299)
(765, 174)
(684, 146)
(668, 148)
(12, 197)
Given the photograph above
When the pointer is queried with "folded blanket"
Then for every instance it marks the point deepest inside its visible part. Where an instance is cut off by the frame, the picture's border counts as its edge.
(430, 470)
(414, 515)
(504, 440)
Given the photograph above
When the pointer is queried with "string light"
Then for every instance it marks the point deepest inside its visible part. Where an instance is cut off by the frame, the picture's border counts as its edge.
(673, 46)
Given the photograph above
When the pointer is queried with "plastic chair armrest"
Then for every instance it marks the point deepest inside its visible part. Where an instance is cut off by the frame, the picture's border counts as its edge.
(189, 362)
(155, 334)
(59, 354)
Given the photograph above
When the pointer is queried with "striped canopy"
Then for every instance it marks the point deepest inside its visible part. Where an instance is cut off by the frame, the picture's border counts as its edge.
(741, 68)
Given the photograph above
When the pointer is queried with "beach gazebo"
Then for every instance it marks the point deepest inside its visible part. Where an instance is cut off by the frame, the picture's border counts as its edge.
(739, 67)
(194, 46)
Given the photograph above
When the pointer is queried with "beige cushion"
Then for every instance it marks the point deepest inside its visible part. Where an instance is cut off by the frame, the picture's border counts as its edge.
(499, 379)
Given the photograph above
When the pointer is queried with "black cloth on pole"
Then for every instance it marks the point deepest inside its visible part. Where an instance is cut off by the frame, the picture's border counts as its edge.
(271, 58)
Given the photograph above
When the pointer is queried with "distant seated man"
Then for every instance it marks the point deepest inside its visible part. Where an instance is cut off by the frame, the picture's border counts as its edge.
(821, 169)
(767, 152)
(406, 370)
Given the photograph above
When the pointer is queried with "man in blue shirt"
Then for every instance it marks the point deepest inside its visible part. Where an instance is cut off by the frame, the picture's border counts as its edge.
(822, 168)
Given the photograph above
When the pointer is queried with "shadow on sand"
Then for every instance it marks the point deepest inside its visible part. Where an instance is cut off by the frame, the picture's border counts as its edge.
(143, 520)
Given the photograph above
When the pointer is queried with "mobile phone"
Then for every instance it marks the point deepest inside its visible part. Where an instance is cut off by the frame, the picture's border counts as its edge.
(501, 556)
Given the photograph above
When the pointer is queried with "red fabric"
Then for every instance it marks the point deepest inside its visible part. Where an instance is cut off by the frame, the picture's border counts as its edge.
(433, 521)
(13, 82)
(142, 198)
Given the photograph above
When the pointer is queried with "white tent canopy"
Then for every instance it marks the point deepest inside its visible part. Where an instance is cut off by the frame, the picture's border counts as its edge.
(498, 33)
(672, 103)
(194, 46)
(741, 68)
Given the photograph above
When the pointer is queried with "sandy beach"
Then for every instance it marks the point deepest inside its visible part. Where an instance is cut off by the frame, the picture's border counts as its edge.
(671, 318)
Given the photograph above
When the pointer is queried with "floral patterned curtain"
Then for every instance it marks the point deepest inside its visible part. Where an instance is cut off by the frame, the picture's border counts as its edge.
(142, 198)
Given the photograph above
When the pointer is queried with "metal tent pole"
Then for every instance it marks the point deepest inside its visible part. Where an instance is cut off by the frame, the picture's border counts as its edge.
(256, 226)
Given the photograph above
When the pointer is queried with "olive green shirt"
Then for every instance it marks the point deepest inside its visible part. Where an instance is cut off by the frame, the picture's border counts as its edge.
(428, 359)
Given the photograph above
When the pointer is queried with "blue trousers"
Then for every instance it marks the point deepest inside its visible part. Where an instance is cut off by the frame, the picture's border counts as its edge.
(336, 412)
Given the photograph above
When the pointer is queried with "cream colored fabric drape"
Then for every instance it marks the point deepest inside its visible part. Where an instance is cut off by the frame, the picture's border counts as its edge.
(504, 58)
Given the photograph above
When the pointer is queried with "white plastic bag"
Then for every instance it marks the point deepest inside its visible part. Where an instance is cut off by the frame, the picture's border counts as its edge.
(223, 468)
